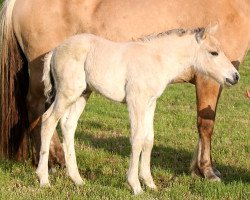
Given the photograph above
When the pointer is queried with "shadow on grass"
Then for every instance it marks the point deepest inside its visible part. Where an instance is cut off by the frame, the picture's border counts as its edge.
(177, 161)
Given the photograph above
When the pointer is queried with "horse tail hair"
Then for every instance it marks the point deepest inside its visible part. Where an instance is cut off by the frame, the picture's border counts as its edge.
(13, 89)
(47, 77)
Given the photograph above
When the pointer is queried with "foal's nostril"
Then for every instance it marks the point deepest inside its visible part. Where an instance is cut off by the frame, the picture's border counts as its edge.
(236, 77)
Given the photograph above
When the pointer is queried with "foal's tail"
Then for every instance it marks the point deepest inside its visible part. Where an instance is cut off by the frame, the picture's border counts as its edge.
(48, 91)
(13, 89)
(47, 77)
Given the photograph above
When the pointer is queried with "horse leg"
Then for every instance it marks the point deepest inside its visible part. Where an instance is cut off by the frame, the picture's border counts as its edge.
(137, 114)
(47, 128)
(145, 171)
(36, 107)
(58, 109)
(68, 126)
(207, 94)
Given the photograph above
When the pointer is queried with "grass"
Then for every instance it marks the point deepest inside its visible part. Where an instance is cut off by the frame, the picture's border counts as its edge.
(103, 149)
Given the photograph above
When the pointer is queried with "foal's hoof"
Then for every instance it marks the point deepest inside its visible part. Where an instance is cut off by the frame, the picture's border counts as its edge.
(43, 180)
(77, 179)
(137, 191)
(44, 184)
(150, 184)
(79, 182)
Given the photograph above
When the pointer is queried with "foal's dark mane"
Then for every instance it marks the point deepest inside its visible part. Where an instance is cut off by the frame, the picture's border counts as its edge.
(179, 32)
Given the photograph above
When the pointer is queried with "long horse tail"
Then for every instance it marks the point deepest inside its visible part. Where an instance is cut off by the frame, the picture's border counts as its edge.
(13, 89)
(48, 77)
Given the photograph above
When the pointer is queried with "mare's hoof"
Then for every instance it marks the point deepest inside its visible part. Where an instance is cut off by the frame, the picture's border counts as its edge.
(195, 173)
(214, 178)
(216, 172)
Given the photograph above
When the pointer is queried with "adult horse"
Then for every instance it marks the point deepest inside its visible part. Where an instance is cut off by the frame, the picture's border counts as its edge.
(30, 28)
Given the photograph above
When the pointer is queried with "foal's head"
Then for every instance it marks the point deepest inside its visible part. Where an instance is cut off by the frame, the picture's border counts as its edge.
(210, 59)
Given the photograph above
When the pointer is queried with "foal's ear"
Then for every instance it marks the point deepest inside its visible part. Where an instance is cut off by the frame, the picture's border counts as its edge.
(200, 35)
(212, 28)
(203, 32)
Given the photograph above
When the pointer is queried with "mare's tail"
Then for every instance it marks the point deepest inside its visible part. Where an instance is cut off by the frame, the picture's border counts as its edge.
(13, 89)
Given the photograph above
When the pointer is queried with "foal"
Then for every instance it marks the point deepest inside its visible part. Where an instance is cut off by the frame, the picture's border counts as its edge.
(133, 72)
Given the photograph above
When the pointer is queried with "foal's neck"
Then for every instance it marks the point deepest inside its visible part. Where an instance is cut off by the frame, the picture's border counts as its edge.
(179, 49)
(178, 54)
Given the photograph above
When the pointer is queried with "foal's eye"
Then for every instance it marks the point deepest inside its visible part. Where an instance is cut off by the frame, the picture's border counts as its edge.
(214, 53)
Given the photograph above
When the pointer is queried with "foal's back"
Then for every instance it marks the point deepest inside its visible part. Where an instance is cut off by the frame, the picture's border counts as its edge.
(106, 66)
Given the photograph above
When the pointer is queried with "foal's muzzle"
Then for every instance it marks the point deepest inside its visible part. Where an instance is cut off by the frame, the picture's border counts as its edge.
(235, 79)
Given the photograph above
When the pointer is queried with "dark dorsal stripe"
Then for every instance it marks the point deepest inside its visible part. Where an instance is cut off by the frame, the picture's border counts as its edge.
(179, 32)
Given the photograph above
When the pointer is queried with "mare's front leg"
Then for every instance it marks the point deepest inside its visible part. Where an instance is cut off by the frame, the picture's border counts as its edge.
(207, 94)
(68, 126)
(36, 107)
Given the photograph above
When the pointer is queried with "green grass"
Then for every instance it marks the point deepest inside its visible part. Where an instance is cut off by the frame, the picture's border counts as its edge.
(103, 148)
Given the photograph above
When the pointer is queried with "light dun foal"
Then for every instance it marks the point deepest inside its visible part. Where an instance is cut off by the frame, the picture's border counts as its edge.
(133, 72)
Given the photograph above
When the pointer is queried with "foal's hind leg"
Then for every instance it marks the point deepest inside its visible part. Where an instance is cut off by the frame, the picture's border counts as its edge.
(58, 109)
(55, 111)
(145, 171)
(68, 125)
(35, 105)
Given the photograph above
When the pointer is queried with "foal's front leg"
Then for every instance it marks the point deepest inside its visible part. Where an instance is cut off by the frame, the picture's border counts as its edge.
(137, 107)
(145, 171)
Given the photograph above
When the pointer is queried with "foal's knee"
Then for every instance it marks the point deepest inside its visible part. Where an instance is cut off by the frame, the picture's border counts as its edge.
(147, 145)
(137, 142)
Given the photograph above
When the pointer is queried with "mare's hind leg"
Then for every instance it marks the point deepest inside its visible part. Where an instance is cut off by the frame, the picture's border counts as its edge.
(68, 126)
(145, 171)
(208, 93)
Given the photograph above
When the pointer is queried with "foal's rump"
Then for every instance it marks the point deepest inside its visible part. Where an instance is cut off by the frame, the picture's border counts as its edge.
(85, 60)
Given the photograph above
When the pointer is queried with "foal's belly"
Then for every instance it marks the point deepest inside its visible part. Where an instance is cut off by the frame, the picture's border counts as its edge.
(115, 92)
(108, 82)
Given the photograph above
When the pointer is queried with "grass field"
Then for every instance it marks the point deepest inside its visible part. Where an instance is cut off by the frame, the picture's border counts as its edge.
(103, 149)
